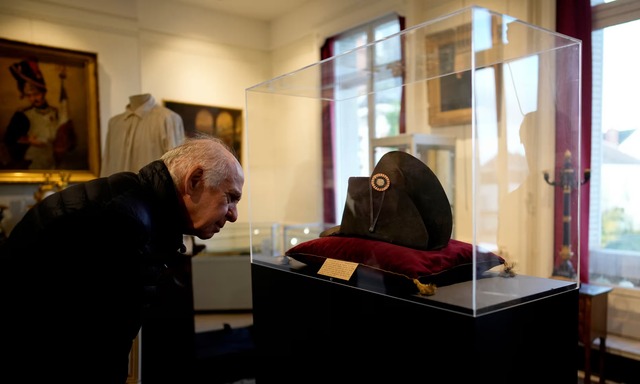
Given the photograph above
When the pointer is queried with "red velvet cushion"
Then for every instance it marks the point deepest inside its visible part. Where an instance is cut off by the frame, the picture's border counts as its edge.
(449, 265)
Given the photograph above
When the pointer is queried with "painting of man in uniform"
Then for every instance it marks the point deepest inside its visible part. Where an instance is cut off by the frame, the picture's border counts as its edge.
(42, 115)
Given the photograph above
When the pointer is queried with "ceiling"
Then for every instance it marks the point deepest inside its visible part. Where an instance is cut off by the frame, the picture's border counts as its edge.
(265, 10)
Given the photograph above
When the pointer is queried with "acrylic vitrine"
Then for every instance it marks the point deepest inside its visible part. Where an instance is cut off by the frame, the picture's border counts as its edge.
(498, 102)
(502, 97)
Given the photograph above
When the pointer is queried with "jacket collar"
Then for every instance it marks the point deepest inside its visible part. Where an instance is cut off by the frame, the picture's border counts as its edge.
(156, 175)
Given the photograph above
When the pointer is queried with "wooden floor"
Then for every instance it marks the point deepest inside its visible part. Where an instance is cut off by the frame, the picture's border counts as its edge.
(594, 379)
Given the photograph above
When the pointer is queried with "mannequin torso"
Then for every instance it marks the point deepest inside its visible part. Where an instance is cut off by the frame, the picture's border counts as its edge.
(140, 134)
(137, 100)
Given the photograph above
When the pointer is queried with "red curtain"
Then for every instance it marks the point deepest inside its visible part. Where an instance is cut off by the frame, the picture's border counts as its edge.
(328, 133)
(573, 18)
(403, 117)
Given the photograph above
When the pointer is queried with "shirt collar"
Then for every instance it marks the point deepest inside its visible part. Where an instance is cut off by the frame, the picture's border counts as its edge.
(142, 110)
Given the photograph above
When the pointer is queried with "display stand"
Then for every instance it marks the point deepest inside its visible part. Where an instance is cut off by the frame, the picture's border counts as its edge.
(301, 317)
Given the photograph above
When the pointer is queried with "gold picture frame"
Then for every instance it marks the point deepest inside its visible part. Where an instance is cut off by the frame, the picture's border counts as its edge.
(71, 91)
(449, 95)
(133, 374)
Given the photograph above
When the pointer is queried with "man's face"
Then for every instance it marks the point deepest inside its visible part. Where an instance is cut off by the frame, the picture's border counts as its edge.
(213, 207)
(35, 96)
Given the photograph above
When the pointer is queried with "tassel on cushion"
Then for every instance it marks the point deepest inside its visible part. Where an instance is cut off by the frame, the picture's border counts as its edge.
(425, 289)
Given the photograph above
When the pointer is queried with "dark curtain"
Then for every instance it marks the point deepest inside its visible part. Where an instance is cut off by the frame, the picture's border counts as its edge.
(403, 117)
(573, 18)
(328, 125)
(328, 133)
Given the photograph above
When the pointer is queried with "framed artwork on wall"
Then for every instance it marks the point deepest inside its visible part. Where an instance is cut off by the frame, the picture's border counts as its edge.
(49, 114)
(221, 122)
(449, 55)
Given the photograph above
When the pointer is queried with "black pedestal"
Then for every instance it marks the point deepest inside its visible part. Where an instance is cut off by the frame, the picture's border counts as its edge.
(336, 331)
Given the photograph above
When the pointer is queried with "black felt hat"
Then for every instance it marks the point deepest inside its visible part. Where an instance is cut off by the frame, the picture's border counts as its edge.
(402, 203)
(27, 73)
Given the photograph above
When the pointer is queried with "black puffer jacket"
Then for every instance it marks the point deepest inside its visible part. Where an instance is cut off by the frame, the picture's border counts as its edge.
(82, 266)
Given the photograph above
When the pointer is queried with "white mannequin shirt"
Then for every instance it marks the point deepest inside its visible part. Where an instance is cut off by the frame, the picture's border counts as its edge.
(140, 135)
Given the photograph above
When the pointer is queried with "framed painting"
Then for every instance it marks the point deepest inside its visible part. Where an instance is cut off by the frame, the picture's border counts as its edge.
(49, 119)
(449, 95)
(221, 122)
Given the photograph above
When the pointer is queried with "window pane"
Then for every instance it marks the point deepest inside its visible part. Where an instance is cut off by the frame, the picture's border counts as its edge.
(360, 113)
(615, 184)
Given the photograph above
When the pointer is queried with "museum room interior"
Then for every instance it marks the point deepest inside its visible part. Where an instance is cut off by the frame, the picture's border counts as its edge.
(512, 243)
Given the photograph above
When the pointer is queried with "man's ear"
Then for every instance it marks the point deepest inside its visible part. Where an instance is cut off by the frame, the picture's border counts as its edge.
(194, 177)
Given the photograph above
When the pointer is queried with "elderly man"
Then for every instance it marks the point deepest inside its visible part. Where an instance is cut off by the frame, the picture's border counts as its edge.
(84, 268)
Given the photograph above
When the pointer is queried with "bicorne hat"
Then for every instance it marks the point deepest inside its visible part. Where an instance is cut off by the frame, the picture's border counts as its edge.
(403, 203)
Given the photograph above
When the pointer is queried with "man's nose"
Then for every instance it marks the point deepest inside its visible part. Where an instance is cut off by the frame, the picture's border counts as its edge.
(232, 213)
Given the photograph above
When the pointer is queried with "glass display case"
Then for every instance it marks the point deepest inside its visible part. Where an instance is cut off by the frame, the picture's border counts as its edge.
(497, 102)
(242, 239)
(438, 152)
(293, 234)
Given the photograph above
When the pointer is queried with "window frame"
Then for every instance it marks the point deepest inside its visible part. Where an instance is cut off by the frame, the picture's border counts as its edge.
(602, 260)
(343, 145)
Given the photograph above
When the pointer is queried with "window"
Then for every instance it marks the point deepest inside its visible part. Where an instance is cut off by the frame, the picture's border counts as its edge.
(614, 228)
(364, 114)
